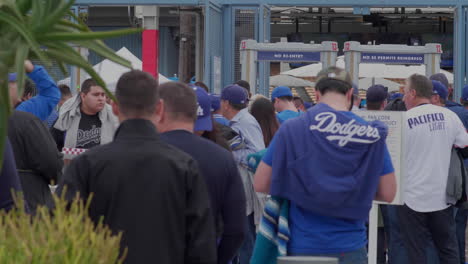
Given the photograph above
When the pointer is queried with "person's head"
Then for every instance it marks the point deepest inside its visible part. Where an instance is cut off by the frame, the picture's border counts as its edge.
(439, 93)
(202, 85)
(137, 96)
(299, 103)
(28, 91)
(262, 109)
(464, 97)
(246, 86)
(376, 97)
(418, 89)
(204, 120)
(180, 107)
(93, 97)
(443, 79)
(65, 93)
(334, 82)
(215, 103)
(282, 98)
(233, 100)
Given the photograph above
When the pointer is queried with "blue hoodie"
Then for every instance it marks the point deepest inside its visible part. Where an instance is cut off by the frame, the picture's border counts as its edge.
(47, 98)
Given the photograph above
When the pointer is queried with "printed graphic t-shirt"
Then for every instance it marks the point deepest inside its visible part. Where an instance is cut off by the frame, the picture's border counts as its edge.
(431, 131)
(89, 131)
(312, 233)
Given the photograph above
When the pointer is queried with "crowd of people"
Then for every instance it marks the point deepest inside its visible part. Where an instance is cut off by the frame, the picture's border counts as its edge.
(194, 177)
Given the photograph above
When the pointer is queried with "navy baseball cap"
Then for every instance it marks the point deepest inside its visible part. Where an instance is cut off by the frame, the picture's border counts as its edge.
(204, 122)
(234, 94)
(376, 93)
(281, 91)
(215, 102)
(439, 89)
(396, 95)
(12, 77)
(465, 93)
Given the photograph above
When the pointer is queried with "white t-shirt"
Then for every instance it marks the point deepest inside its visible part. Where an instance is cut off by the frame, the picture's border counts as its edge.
(431, 131)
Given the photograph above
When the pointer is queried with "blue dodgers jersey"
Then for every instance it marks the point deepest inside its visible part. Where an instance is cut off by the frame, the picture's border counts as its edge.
(315, 233)
(286, 115)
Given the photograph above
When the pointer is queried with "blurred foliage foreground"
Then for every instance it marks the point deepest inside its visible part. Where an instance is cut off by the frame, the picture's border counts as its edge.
(63, 235)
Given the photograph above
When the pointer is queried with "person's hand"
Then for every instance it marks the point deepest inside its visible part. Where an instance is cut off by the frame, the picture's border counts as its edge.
(28, 66)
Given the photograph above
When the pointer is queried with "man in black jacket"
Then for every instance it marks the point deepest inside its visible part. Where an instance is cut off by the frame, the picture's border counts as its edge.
(37, 159)
(144, 187)
(184, 116)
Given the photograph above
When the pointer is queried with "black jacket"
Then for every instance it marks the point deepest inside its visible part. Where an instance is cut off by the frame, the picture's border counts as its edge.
(149, 190)
(37, 159)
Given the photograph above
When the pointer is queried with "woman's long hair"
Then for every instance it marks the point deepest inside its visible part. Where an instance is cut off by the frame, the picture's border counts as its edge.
(216, 136)
(263, 110)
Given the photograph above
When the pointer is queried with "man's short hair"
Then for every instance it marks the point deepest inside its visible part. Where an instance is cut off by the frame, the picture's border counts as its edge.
(421, 84)
(243, 84)
(64, 90)
(464, 102)
(285, 98)
(373, 105)
(180, 101)
(137, 93)
(87, 84)
(29, 88)
(297, 98)
(238, 107)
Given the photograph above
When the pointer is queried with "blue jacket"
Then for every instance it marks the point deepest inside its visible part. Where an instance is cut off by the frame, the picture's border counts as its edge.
(9, 179)
(47, 98)
(461, 112)
(329, 163)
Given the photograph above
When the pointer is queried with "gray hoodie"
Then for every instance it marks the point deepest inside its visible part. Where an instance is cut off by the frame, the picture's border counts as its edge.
(69, 121)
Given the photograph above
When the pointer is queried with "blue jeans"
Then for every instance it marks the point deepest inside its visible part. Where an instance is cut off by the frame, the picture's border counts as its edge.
(246, 250)
(397, 253)
(460, 221)
(354, 257)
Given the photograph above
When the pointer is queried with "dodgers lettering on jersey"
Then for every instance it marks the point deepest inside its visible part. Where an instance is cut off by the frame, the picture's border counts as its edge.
(345, 132)
(436, 121)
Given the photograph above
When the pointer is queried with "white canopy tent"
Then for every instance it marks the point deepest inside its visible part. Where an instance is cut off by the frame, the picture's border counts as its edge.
(365, 83)
(290, 81)
(110, 71)
(368, 70)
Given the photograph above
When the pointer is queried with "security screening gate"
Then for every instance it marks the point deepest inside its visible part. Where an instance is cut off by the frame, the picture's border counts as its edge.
(252, 52)
(355, 53)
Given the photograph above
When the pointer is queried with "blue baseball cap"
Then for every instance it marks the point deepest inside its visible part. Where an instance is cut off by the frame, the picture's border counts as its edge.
(281, 91)
(234, 94)
(465, 93)
(439, 89)
(376, 93)
(204, 122)
(215, 102)
(12, 77)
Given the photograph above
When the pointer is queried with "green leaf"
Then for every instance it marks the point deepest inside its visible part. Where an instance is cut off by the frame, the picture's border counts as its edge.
(23, 31)
(21, 55)
(100, 48)
(56, 15)
(71, 37)
(72, 57)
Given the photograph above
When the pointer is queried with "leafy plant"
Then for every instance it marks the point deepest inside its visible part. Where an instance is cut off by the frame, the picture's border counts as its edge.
(38, 29)
(64, 235)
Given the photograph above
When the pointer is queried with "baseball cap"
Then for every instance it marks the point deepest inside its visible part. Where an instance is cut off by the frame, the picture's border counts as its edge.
(396, 95)
(441, 78)
(204, 122)
(215, 102)
(335, 73)
(376, 93)
(12, 77)
(234, 94)
(465, 93)
(281, 91)
(439, 89)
